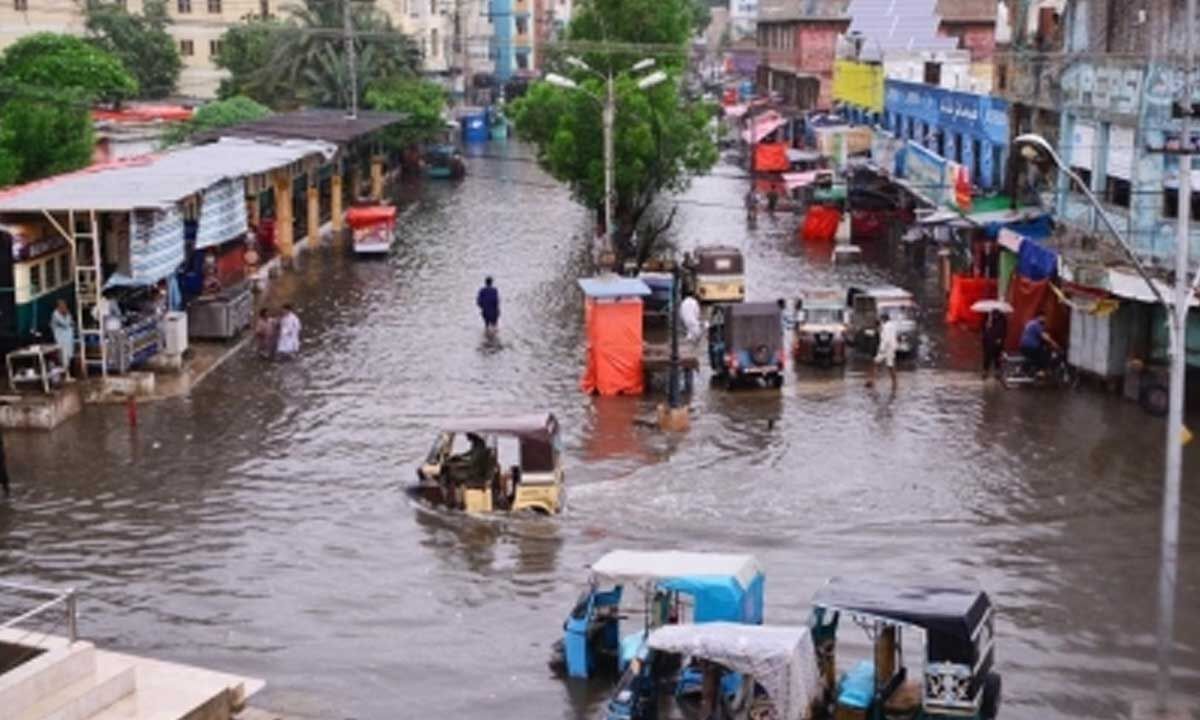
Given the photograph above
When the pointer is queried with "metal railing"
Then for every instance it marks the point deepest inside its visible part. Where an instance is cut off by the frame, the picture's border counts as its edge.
(53, 601)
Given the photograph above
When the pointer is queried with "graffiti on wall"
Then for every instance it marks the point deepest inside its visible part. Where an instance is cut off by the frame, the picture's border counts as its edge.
(1109, 88)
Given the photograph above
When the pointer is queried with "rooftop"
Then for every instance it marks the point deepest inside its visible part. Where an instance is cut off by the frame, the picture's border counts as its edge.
(312, 124)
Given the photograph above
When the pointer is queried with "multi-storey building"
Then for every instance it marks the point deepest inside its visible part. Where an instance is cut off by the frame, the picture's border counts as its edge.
(797, 45)
(436, 26)
(743, 18)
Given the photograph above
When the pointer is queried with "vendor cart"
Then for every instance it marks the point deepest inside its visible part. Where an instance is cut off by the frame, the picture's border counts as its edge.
(372, 228)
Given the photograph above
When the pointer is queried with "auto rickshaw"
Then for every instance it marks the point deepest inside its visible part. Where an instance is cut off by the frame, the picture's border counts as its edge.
(867, 305)
(745, 342)
(720, 670)
(372, 228)
(821, 326)
(717, 273)
(664, 587)
(442, 159)
(957, 622)
(463, 470)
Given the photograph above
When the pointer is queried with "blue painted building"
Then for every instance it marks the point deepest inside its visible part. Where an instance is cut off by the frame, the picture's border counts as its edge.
(501, 12)
(959, 127)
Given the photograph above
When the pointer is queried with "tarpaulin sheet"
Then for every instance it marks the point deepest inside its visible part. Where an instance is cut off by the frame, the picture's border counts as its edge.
(771, 157)
(1036, 262)
(965, 291)
(222, 213)
(155, 244)
(820, 224)
(614, 355)
(1028, 297)
(1036, 228)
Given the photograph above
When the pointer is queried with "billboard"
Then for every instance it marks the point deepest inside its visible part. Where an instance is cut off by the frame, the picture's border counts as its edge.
(859, 84)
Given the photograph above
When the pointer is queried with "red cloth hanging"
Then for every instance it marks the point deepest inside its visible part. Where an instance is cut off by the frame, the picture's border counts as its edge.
(1028, 297)
(965, 291)
(821, 224)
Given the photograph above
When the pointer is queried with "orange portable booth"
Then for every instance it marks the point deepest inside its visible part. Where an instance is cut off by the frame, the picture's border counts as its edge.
(613, 317)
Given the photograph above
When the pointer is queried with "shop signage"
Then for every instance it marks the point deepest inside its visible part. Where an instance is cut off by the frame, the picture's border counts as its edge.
(926, 171)
(858, 84)
(980, 116)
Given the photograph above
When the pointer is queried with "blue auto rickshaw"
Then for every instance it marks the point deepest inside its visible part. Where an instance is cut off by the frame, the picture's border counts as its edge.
(660, 588)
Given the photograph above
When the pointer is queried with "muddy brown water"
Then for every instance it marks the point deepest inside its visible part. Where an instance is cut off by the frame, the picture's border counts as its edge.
(260, 525)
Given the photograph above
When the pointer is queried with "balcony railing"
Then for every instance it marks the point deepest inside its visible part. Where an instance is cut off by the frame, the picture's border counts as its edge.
(32, 608)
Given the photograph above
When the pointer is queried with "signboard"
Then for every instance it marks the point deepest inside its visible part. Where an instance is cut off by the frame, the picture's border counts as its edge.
(859, 84)
(980, 116)
(926, 171)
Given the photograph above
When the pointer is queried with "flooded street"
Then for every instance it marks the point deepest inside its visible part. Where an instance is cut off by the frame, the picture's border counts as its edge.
(261, 527)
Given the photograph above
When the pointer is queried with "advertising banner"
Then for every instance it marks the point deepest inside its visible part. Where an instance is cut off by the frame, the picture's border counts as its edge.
(859, 84)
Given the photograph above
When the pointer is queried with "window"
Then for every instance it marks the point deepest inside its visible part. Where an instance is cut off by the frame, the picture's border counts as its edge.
(183, 6)
(522, 26)
(1116, 191)
(433, 42)
(35, 279)
(933, 73)
(187, 48)
(432, 6)
(214, 7)
(214, 48)
(1078, 39)
(1171, 202)
(264, 9)
(20, 5)
(522, 61)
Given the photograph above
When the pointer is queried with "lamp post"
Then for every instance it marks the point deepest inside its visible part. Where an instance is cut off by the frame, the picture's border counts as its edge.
(1177, 312)
(609, 111)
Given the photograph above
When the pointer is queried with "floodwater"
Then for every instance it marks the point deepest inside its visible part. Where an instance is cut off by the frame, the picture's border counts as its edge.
(260, 526)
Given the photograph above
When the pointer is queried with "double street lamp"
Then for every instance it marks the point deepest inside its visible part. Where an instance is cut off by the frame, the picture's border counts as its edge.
(609, 106)
(1177, 314)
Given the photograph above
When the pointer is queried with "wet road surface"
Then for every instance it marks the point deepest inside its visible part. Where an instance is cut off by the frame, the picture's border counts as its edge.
(260, 526)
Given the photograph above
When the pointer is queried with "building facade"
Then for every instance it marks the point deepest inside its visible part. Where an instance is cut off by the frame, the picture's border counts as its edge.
(743, 19)
(1098, 80)
(797, 47)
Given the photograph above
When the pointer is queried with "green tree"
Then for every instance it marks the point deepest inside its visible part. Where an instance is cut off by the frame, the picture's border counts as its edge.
(660, 141)
(701, 15)
(62, 62)
(309, 61)
(140, 42)
(420, 100)
(246, 50)
(47, 85)
(219, 114)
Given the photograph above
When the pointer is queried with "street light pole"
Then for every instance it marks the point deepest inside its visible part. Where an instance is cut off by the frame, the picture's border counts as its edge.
(351, 60)
(1169, 562)
(610, 111)
(1176, 312)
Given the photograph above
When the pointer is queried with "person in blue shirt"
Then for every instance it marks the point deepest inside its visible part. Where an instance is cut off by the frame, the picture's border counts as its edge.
(1036, 343)
(488, 301)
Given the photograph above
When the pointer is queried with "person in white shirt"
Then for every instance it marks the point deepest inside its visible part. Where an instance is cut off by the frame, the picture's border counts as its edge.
(887, 350)
(289, 333)
(689, 315)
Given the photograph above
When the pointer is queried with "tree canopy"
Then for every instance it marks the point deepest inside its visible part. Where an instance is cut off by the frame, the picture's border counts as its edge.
(297, 61)
(421, 100)
(660, 141)
(222, 113)
(47, 85)
(62, 62)
(140, 42)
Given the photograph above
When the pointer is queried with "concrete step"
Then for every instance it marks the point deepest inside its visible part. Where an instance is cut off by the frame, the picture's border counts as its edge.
(168, 691)
(112, 680)
(57, 668)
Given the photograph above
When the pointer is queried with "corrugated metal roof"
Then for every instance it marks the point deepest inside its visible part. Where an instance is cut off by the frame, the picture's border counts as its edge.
(159, 181)
(314, 124)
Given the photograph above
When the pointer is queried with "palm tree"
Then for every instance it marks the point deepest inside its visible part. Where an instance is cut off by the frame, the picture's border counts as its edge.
(309, 56)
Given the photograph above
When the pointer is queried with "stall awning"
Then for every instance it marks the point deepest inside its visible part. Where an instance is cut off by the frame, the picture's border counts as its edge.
(159, 181)
(761, 126)
(1130, 286)
(736, 111)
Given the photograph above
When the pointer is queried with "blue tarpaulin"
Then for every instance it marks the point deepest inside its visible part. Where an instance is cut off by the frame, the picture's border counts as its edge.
(1036, 262)
(1038, 228)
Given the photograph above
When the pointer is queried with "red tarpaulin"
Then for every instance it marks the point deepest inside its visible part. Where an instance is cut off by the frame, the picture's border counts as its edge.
(821, 224)
(614, 355)
(965, 291)
(771, 157)
(1027, 297)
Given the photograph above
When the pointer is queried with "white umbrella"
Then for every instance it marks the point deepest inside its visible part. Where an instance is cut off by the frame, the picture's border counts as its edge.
(987, 306)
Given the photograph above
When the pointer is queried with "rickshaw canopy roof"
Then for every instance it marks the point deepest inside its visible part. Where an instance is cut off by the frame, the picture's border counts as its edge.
(886, 292)
(781, 659)
(949, 612)
(540, 427)
(634, 566)
(366, 215)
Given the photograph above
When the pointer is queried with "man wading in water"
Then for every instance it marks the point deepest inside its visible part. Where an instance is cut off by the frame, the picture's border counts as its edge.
(488, 301)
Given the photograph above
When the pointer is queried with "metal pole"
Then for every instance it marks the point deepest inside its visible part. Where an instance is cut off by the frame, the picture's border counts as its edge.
(673, 390)
(72, 615)
(610, 109)
(1169, 562)
(351, 59)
